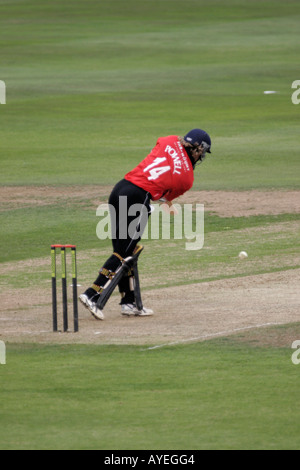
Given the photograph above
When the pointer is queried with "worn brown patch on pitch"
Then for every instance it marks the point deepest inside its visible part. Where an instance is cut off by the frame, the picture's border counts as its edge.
(16, 197)
(245, 203)
(222, 203)
(211, 309)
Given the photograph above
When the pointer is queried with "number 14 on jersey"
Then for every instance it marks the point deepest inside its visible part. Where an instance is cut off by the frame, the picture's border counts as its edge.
(156, 171)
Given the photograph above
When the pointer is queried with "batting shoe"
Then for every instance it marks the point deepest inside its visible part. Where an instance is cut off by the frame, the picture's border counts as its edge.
(91, 305)
(132, 310)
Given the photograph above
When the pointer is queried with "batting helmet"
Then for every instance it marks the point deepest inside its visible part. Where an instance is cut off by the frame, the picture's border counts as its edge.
(197, 137)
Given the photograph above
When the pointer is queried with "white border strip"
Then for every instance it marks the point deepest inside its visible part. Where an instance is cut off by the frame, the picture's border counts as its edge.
(211, 335)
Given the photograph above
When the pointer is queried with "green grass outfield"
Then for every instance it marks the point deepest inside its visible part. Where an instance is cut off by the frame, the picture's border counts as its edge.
(220, 394)
(90, 87)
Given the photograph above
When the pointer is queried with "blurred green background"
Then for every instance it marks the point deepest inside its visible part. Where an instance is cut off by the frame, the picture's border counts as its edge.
(91, 85)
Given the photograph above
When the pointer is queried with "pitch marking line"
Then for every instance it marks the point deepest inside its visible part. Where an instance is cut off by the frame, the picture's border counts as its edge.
(220, 333)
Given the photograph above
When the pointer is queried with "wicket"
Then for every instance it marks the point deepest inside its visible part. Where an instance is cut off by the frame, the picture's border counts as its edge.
(63, 249)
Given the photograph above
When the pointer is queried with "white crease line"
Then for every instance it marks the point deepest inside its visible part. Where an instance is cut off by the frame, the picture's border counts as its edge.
(20, 333)
(220, 333)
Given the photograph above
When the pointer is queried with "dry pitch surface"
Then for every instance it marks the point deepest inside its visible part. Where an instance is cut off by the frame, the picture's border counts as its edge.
(182, 314)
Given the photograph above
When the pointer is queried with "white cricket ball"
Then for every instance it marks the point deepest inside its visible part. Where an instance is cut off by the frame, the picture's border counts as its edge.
(243, 255)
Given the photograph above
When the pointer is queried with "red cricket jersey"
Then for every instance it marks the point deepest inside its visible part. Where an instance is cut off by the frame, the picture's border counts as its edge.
(166, 172)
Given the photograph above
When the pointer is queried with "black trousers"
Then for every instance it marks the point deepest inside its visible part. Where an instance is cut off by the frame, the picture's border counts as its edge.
(129, 211)
(130, 208)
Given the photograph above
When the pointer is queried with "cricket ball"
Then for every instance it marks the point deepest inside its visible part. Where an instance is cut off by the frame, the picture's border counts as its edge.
(243, 255)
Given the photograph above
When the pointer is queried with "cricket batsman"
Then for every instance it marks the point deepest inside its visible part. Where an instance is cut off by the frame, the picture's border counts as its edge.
(165, 174)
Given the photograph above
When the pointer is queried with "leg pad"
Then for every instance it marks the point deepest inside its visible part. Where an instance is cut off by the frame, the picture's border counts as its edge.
(127, 264)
